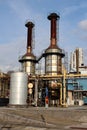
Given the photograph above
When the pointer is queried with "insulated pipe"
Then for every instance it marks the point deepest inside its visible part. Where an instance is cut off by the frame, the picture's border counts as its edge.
(36, 92)
(64, 89)
(30, 26)
(53, 18)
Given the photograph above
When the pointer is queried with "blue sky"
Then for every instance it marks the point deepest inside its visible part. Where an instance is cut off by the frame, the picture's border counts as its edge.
(13, 33)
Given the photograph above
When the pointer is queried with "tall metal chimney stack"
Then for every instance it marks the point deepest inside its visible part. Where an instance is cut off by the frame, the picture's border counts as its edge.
(29, 60)
(30, 26)
(53, 54)
(53, 17)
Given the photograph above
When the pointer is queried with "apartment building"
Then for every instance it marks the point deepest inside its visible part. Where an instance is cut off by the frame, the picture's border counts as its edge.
(76, 60)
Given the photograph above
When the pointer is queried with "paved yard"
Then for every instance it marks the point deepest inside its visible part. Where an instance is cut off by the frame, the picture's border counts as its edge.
(39, 118)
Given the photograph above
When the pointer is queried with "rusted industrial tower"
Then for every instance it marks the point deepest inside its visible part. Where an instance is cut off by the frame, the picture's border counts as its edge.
(53, 54)
(29, 60)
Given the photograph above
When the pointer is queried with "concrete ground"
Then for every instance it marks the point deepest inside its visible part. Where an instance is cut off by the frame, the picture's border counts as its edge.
(40, 118)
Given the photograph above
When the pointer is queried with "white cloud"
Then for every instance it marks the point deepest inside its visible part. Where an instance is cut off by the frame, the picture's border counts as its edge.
(24, 10)
(71, 9)
(20, 8)
(83, 25)
(9, 54)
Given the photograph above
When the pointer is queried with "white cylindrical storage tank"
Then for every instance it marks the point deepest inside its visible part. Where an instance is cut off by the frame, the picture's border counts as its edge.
(18, 89)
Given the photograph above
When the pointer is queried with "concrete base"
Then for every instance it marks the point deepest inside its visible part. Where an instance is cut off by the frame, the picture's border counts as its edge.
(17, 106)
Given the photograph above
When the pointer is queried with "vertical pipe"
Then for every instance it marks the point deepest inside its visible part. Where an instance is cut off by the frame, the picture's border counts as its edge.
(60, 95)
(36, 92)
(30, 26)
(53, 18)
(53, 32)
(64, 89)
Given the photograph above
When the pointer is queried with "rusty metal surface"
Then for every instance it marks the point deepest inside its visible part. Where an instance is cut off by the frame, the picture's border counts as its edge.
(30, 26)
